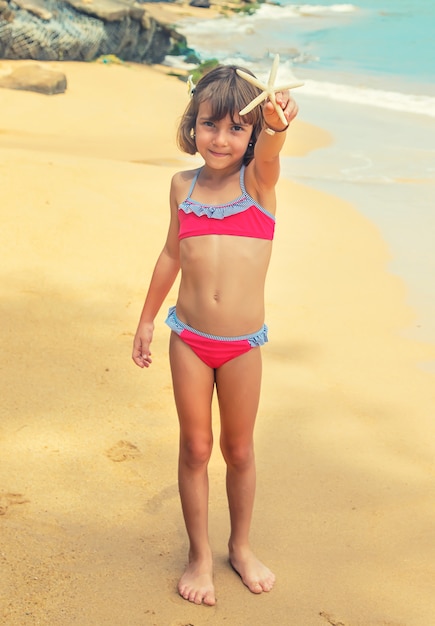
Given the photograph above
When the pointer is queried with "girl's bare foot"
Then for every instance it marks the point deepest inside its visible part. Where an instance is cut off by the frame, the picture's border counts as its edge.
(256, 576)
(196, 584)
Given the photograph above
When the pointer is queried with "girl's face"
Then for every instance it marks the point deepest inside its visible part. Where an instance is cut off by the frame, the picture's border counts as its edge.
(221, 143)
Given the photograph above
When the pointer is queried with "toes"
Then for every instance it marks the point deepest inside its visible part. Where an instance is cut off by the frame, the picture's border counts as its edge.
(197, 596)
(268, 582)
(267, 586)
(200, 598)
(191, 595)
(209, 599)
(258, 586)
(255, 587)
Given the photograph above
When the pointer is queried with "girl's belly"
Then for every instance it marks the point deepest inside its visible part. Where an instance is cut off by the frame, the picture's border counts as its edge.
(222, 284)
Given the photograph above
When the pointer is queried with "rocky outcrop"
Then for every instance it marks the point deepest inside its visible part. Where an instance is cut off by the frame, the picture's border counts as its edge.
(82, 30)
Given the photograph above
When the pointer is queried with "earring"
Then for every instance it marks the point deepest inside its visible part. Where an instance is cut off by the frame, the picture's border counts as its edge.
(192, 133)
(250, 144)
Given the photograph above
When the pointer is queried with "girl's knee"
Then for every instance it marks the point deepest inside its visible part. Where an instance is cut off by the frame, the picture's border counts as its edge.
(196, 452)
(239, 456)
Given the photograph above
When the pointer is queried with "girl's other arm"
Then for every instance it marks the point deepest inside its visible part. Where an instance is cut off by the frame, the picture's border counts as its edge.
(163, 277)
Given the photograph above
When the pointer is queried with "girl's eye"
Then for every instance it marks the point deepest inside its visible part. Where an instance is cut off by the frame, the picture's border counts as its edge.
(208, 123)
(237, 128)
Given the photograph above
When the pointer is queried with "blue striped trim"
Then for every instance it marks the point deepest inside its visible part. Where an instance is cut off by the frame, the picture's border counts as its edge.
(255, 339)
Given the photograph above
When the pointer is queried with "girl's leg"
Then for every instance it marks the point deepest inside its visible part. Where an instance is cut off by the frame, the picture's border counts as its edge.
(193, 384)
(238, 386)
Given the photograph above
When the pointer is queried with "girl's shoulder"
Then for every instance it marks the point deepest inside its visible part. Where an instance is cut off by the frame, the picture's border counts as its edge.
(181, 184)
(184, 177)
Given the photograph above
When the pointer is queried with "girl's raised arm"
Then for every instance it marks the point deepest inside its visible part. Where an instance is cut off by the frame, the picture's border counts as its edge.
(271, 140)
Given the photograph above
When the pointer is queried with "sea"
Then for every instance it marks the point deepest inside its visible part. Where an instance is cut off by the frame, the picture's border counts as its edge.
(369, 79)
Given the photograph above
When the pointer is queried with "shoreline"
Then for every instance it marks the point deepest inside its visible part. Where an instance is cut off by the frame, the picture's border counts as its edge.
(92, 531)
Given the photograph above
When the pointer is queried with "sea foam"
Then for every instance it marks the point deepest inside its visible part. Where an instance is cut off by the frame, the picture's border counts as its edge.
(395, 101)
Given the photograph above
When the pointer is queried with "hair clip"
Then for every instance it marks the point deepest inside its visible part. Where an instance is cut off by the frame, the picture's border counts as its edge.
(190, 85)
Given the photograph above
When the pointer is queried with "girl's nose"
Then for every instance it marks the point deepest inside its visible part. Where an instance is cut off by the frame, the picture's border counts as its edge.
(220, 137)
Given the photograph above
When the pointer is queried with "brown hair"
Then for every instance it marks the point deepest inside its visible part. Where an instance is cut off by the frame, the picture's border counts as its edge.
(228, 94)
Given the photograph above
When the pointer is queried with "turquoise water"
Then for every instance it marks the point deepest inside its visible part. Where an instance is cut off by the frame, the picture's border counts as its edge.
(383, 38)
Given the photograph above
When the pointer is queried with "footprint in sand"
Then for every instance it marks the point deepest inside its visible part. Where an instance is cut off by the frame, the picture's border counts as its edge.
(331, 619)
(123, 451)
(6, 499)
(155, 504)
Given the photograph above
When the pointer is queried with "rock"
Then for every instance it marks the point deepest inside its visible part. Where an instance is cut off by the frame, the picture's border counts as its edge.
(35, 78)
(36, 7)
(5, 12)
(106, 10)
(202, 4)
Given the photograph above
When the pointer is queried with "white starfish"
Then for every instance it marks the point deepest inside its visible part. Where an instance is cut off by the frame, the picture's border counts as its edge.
(268, 91)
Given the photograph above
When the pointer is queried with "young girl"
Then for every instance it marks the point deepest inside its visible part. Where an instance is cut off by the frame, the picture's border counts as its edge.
(220, 237)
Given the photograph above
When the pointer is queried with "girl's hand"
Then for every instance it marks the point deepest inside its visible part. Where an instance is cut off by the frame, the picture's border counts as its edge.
(141, 345)
(288, 105)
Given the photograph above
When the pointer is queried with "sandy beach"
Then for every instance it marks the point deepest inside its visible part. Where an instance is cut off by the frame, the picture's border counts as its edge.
(91, 531)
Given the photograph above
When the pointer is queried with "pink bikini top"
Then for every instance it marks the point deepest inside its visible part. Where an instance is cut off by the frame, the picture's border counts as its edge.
(243, 217)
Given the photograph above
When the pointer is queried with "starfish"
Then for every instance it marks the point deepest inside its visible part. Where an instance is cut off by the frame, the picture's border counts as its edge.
(268, 91)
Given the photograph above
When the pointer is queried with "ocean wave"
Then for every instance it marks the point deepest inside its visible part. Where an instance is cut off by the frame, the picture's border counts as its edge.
(385, 99)
(320, 10)
(392, 100)
(267, 12)
(282, 11)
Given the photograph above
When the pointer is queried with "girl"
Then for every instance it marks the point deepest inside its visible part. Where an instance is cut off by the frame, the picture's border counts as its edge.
(220, 237)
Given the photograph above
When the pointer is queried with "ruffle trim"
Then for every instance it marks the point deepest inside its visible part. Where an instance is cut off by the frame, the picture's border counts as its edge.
(220, 212)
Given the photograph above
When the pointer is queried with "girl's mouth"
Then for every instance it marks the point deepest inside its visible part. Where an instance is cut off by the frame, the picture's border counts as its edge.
(218, 154)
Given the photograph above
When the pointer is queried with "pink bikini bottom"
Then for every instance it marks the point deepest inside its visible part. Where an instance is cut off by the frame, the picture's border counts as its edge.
(215, 350)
